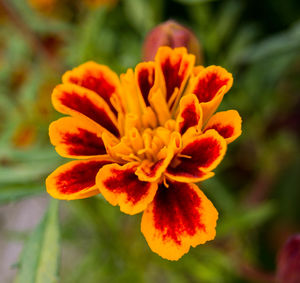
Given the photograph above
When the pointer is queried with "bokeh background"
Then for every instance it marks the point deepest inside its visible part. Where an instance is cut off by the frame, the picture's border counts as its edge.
(256, 188)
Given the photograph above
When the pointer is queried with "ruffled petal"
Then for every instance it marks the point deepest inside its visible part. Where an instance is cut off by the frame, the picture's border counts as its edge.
(145, 74)
(197, 70)
(120, 186)
(228, 124)
(97, 78)
(77, 101)
(190, 114)
(76, 138)
(174, 67)
(209, 86)
(75, 179)
(179, 217)
(197, 158)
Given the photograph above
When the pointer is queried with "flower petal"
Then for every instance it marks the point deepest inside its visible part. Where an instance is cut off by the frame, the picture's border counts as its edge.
(120, 186)
(197, 158)
(76, 138)
(179, 217)
(97, 78)
(228, 124)
(160, 106)
(77, 101)
(174, 66)
(209, 86)
(145, 73)
(75, 179)
(190, 114)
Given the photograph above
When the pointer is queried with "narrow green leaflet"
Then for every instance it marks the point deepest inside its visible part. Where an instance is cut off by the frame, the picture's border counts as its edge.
(244, 219)
(191, 2)
(16, 192)
(40, 255)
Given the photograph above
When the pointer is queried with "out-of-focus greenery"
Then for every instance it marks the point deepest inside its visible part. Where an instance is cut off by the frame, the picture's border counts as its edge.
(256, 188)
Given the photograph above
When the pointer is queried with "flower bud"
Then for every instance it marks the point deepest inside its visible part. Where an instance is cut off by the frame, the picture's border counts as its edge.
(288, 263)
(171, 34)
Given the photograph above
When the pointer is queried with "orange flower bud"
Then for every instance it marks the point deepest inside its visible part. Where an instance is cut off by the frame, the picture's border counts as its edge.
(288, 265)
(171, 34)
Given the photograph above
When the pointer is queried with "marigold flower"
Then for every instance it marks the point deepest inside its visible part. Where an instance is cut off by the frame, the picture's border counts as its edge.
(142, 141)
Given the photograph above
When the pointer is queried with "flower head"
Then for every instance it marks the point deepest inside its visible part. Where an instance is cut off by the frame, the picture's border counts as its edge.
(142, 141)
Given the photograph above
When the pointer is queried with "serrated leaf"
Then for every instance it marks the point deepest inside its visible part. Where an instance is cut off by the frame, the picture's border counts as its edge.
(40, 255)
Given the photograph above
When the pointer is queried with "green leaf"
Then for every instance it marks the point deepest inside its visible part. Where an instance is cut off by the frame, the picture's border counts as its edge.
(15, 192)
(22, 173)
(40, 255)
(140, 15)
(192, 2)
(245, 219)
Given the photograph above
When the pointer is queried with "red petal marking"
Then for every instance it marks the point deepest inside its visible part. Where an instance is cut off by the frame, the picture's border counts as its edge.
(145, 78)
(227, 123)
(179, 217)
(77, 138)
(210, 81)
(176, 66)
(84, 143)
(153, 169)
(224, 131)
(205, 152)
(83, 104)
(127, 182)
(175, 211)
(190, 118)
(189, 174)
(97, 78)
(79, 177)
(148, 172)
(171, 73)
(120, 186)
(190, 114)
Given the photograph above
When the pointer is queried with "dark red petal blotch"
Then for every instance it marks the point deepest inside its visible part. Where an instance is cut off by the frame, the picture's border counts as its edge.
(84, 105)
(176, 211)
(84, 143)
(79, 177)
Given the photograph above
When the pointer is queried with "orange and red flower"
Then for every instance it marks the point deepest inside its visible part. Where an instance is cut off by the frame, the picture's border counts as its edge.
(142, 141)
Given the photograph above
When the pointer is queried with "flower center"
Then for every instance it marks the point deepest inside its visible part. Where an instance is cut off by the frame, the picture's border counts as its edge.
(139, 143)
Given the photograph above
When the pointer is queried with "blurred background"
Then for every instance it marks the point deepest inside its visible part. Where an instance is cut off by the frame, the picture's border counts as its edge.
(256, 188)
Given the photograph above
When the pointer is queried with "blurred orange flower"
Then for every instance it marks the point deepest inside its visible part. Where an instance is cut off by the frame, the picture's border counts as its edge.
(24, 135)
(43, 5)
(143, 141)
(97, 3)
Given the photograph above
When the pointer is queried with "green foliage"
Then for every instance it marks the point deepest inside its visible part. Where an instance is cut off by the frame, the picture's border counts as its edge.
(40, 255)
